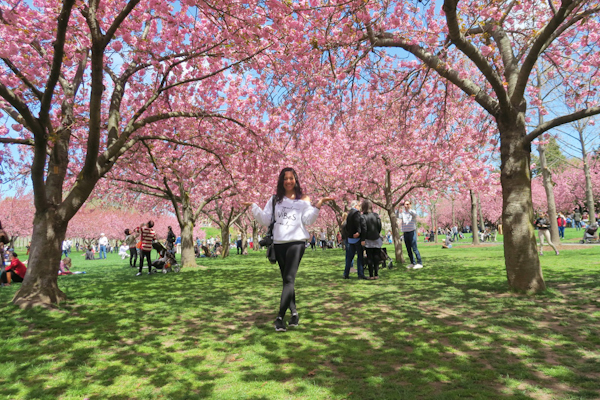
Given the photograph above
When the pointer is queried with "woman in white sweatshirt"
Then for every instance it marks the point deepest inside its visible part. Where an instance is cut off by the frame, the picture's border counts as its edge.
(293, 212)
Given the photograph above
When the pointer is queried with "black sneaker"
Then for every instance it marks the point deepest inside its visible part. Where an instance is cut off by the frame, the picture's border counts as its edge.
(280, 325)
(294, 321)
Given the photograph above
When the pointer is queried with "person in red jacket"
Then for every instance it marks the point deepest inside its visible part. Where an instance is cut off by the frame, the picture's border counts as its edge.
(14, 272)
(562, 223)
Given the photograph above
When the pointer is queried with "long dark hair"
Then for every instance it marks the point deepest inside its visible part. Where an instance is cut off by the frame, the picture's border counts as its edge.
(366, 207)
(281, 190)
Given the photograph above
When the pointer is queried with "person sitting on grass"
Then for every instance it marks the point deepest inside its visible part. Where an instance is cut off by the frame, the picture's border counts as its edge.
(447, 242)
(65, 267)
(124, 251)
(89, 253)
(14, 272)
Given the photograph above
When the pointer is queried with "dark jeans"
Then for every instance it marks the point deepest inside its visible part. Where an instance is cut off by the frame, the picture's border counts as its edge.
(410, 239)
(288, 257)
(561, 232)
(147, 255)
(373, 260)
(133, 256)
(351, 250)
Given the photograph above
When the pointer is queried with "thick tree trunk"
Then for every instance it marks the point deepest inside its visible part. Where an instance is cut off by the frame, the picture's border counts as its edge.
(549, 189)
(40, 287)
(474, 224)
(396, 236)
(225, 240)
(520, 250)
(188, 256)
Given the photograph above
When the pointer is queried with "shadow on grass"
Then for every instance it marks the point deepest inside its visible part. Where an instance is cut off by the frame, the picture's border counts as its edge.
(450, 330)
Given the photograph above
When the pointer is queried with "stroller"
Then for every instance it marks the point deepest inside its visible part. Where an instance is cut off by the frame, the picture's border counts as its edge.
(588, 234)
(386, 259)
(166, 261)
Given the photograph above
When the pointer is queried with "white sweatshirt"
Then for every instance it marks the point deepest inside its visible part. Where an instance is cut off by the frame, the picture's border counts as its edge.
(291, 217)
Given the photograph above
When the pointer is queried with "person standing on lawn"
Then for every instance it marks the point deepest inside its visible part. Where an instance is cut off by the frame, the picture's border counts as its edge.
(102, 243)
(147, 237)
(543, 225)
(356, 230)
(562, 223)
(373, 240)
(408, 218)
(293, 212)
(131, 242)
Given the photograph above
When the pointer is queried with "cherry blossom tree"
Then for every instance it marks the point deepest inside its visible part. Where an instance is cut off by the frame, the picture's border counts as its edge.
(84, 82)
(16, 215)
(490, 52)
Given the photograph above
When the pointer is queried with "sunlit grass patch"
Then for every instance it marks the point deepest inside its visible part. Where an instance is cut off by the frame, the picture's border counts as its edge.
(451, 330)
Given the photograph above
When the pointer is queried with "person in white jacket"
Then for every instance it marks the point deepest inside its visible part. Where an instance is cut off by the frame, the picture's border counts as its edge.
(293, 212)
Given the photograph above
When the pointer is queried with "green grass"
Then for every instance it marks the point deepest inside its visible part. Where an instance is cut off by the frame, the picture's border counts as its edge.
(450, 330)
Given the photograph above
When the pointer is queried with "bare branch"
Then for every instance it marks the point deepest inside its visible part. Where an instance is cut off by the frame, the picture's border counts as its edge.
(564, 119)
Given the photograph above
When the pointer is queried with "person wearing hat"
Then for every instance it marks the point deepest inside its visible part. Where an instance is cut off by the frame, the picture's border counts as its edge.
(102, 243)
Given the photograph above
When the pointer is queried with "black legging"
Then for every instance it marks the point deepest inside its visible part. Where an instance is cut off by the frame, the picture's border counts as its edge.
(132, 256)
(147, 255)
(373, 259)
(13, 277)
(288, 257)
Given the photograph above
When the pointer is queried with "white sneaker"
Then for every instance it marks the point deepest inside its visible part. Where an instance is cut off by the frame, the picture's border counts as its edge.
(418, 266)
(409, 266)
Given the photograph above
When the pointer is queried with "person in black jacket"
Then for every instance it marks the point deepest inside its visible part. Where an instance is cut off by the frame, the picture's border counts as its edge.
(373, 240)
(170, 239)
(356, 231)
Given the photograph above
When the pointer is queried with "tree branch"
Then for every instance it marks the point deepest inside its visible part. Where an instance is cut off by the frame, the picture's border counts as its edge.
(564, 119)
(28, 142)
(469, 87)
(59, 44)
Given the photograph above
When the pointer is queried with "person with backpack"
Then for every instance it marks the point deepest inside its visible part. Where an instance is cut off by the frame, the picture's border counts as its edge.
(373, 240)
(355, 232)
(291, 211)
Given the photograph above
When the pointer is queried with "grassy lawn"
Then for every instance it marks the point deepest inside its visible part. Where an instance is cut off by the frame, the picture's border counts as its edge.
(450, 330)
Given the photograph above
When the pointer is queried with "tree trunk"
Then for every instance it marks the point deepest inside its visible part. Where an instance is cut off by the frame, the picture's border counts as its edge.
(40, 287)
(244, 241)
(188, 256)
(225, 240)
(481, 221)
(434, 223)
(589, 195)
(474, 224)
(396, 236)
(549, 189)
(520, 250)
(255, 236)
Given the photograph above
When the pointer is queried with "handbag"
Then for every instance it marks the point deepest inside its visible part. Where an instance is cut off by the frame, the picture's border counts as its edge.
(269, 237)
